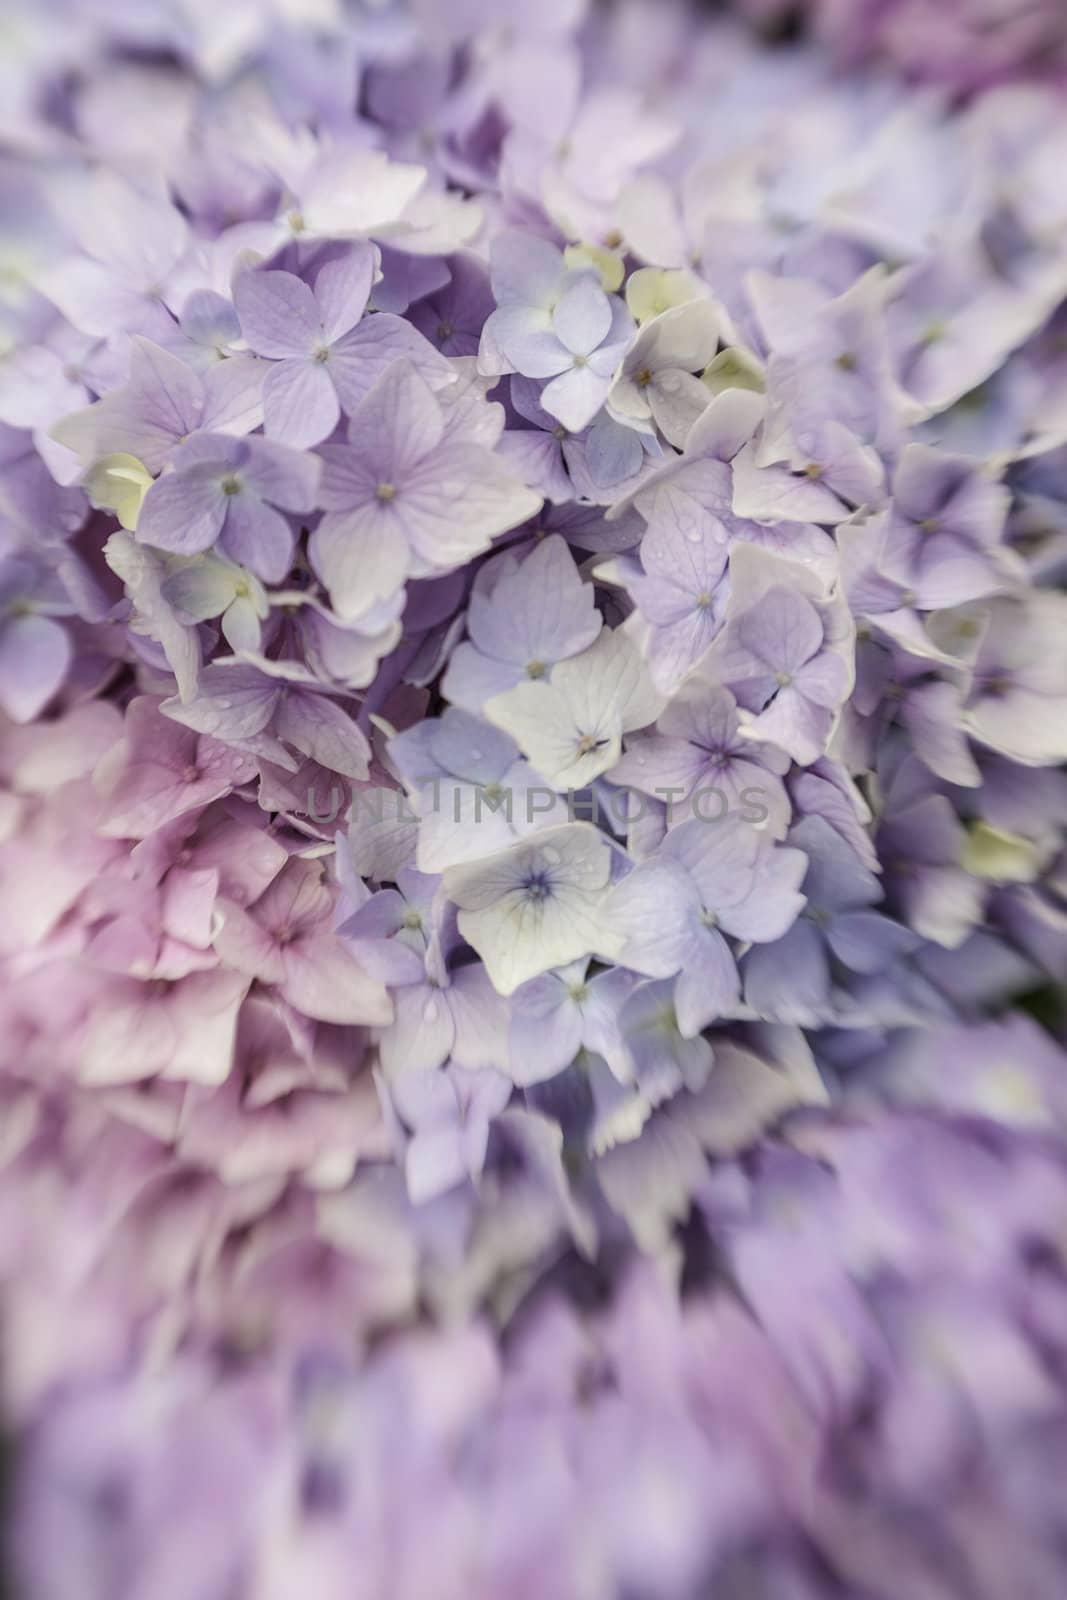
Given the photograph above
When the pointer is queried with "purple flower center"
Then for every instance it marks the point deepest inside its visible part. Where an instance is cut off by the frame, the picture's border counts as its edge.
(537, 888)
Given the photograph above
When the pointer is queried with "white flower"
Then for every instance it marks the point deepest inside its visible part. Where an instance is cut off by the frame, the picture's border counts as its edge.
(571, 727)
(656, 377)
(535, 906)
(207, 587)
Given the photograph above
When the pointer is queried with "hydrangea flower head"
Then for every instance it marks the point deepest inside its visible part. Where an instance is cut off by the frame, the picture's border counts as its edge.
(533, 809)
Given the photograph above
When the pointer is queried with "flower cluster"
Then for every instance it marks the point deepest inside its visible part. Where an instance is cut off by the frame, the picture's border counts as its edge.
(961, 43)
(845, 1378)
(533, 674)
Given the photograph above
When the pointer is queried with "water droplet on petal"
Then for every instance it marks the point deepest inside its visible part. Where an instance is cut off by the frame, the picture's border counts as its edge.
(551, 855)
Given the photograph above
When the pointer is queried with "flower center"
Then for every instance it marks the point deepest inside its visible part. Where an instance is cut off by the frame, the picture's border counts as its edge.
(385, 492)
(321, 353)
(535, 669)
(537, 888)
(783, 679)
(231, 485)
